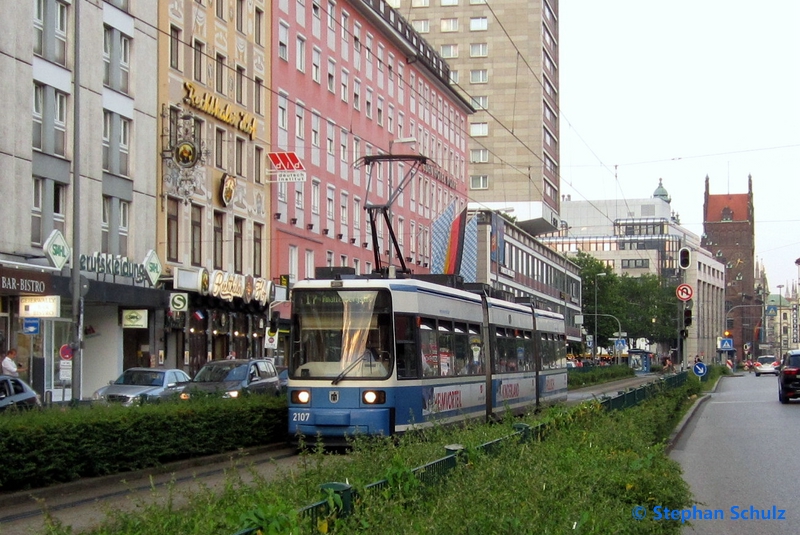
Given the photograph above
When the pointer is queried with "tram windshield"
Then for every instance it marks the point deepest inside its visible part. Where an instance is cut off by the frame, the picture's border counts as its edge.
(341, 334)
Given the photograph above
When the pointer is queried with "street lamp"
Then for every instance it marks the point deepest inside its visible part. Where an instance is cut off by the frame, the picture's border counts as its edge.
(594, 340)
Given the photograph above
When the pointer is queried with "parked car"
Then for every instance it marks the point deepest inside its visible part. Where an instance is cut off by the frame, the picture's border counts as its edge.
(283, 376)
(17, 394)
(767, 364)
(233, 377)
(789, 376)
(136, 385)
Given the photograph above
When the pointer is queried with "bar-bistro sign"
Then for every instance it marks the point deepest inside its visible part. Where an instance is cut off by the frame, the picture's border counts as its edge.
(20, 282)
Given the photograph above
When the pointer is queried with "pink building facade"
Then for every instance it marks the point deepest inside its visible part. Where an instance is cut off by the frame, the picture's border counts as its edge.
(353, 79)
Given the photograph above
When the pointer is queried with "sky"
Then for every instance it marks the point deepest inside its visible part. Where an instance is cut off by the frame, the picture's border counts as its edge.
(681, 90)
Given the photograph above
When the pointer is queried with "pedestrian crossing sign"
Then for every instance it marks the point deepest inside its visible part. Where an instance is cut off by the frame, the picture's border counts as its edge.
(726, 344)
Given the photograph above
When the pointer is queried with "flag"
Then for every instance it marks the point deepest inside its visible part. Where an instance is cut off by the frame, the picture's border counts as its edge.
(198, 315)
(455, 244)
(469, 255)
(440, 237)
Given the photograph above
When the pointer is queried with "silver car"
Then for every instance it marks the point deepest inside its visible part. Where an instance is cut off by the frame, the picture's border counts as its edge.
(137, 385)
(767, 364)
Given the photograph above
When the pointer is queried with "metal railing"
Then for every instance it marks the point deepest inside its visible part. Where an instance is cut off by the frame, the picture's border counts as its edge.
(433, 471)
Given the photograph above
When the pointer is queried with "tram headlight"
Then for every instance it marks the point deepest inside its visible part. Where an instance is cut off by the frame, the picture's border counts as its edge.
(301, 396)
(374, 397)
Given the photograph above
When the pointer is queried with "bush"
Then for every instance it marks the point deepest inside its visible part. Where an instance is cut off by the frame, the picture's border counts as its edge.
(57, 445)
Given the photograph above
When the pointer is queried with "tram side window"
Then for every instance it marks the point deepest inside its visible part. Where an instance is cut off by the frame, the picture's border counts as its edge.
(428, 339)
(405, 348)
(525, 352)
(462, 352)
(548, 348)
(505, 352)
(446, 348)
(477, 351)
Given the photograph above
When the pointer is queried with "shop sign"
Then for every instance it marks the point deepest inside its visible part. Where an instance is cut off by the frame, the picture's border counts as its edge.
(57, 250)
(229, 285)
(210, 104)
(227, 188)
(17, 281)
(120, 266)
(43, 306)
(134, 319)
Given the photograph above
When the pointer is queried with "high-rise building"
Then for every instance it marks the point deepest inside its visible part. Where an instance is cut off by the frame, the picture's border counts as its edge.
(69, 261)
(503, 58)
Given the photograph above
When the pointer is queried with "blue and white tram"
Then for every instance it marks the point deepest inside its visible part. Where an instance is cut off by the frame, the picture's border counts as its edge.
(382, 356)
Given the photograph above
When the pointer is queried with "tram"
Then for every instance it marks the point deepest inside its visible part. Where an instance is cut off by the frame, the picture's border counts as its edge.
(381, 356)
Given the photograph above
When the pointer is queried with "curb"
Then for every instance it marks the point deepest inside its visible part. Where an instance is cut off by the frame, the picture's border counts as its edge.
(64, 489)
(678, 431)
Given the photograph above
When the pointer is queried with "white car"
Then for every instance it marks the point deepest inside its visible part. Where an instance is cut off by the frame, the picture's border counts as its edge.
(137, 385)
(767, 364)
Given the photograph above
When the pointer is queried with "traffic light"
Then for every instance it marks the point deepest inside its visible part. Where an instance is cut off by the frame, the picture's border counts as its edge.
(727, 334)
(687, 317)
(684, 258)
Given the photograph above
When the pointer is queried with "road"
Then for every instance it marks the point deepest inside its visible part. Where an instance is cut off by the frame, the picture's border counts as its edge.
(83, 504)
(739, 449)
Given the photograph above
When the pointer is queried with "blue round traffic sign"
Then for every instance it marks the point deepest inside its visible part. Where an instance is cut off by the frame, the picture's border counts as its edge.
(700, 369)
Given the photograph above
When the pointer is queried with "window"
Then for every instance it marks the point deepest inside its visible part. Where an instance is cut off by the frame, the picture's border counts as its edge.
(283, 41)
(315, 64)
(369, 103)
(480, 102)
(478, 50)
(258, 162)
(299, 194)
(258, 30)
(331, 76)
(300, 123)
(478, 76)
(380, 111)
(332, 16)
(479, 155)
(219, 222)
(356, 213)
(478, 24)
(420, 3)
(60, 124)
(116, 59)
(258, 86)
(221, 8)
(240, 77)
(479, 182)
(48, 203)
(344, 84)
(172, 229)
(38, 106)
(315, 130)
(239, 15)
(315, 197)
(343, 209)
(38, 27)
(238, 234)
(344, 24)
(449, 25)
(479, 129)
(356, 94)
(449, 51)
(300, 59)
(219, 148)
(343, 146)
(59, 54)
(116, 143)
(283, 113)
(174, 47)
(199, 54)
(258, 233)
(239, 156)
(454, 77)
(220, 73)
(197, 235)
(449, 2)
(329, 207)
(309, 264)
(422, 26)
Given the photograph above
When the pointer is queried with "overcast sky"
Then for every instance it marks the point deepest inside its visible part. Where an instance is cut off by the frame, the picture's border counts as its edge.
(679, 90)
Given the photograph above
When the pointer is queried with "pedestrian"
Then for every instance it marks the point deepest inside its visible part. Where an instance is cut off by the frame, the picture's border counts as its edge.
(10, 366)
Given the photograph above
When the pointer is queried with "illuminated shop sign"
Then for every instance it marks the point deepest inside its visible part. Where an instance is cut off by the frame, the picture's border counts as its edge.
(104, 263)
(44, 306)
(226, 286)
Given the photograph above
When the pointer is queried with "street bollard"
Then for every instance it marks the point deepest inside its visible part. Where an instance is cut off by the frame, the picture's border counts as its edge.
(345, 493)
